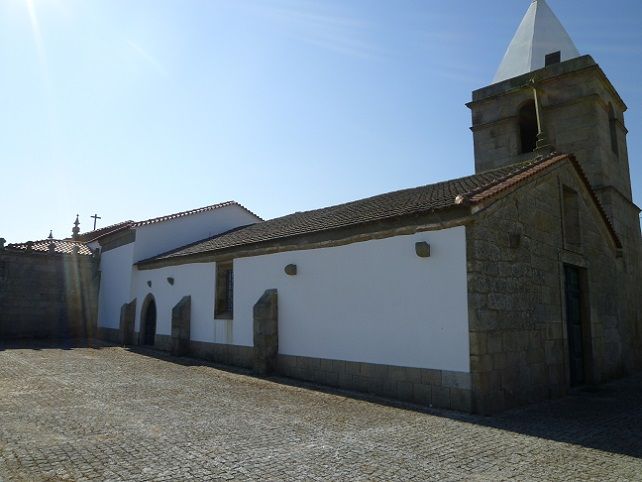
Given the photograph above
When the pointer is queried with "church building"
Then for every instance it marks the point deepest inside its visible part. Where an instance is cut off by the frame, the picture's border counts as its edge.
(509, 286)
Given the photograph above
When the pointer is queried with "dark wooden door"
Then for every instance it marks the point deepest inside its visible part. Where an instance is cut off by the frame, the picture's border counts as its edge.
(149, 333)
(575, 333)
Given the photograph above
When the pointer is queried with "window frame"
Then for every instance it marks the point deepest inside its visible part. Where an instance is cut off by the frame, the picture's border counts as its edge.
(224, 291)
(572, 219)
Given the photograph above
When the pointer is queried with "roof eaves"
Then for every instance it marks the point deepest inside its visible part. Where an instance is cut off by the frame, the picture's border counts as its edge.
(259, 244)
(598, 204)
(117, 228)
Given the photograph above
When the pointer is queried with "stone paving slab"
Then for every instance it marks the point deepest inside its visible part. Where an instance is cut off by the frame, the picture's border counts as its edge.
(108, 413)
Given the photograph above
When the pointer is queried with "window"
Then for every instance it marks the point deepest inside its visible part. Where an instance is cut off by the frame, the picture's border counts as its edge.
(528, 127)
(224, 301)
(613, 130)
(571, 217)
(554, 58)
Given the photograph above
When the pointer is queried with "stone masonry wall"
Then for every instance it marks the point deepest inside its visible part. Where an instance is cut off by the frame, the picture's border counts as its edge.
(434, 388)
(516, 254)
(46, 295)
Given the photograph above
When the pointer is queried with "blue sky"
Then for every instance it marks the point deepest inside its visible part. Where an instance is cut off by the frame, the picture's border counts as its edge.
(135, 109)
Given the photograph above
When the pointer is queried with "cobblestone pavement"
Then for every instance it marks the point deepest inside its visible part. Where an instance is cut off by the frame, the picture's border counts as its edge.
(113, 414)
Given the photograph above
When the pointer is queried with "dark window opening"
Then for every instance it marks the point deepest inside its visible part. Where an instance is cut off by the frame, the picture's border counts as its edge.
(528, 127)
(554, 58)
(613, 130)
(224, 302)
(571, 209)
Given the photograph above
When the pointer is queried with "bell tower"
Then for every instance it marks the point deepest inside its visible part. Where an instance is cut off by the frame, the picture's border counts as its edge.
(547, 97)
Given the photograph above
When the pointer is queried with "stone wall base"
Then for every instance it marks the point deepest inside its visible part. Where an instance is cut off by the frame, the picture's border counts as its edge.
(431, 388)
(235, 355)
(163, 342)
(112, 335)
(434, 388)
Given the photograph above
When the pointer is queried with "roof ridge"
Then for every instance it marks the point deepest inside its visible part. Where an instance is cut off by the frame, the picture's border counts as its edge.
(47, 240)
(413, 188)
(413, 201)
(189, 212)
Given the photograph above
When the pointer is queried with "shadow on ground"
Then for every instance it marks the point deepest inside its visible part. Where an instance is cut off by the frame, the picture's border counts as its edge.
(48, 344)
(606, 417)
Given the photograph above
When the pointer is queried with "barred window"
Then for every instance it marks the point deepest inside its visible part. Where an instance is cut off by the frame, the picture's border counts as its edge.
(224, 300)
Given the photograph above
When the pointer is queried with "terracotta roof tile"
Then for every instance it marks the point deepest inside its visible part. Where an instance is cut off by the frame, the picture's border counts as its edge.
(62, 246)
(420, 200)
(192, 211)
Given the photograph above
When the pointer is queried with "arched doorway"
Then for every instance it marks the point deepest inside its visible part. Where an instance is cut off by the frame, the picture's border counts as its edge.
(148, 321)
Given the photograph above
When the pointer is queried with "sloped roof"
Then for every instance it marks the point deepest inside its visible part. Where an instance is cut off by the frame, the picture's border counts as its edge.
(540, 33)
(62, 246)
(428, 199)
(94, 235)
(191, 212)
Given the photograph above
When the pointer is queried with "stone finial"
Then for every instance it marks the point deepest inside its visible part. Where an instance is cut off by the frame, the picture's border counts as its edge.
(50, 234)
(2, 241)
(75, 232)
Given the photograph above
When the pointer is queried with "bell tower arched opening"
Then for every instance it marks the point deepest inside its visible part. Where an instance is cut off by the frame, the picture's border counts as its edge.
(528, 127)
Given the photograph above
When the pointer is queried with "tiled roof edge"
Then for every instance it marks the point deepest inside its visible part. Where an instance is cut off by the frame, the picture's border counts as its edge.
(23, 247)
(528, 172)
(515, 178)
(115, 228)
(190, 212)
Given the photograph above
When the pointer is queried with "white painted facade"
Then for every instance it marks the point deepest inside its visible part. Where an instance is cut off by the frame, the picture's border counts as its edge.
(118, 274)
(115, 284)
(195, 280)
(157, 238)
(373, 301)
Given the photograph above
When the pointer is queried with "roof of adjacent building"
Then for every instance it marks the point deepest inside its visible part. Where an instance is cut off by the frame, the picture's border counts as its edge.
(540, 33)
(61, 246)
(191, 212)
(422, 200)
(94, 235)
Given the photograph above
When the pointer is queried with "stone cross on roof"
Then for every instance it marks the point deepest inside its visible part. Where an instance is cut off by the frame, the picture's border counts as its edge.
(539, 35)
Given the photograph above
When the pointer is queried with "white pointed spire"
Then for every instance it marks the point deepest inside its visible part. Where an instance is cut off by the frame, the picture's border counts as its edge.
(539, 34)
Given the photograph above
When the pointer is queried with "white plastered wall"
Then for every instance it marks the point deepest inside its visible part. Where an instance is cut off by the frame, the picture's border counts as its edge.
(195, 280)
(115, 284)
(374, 301)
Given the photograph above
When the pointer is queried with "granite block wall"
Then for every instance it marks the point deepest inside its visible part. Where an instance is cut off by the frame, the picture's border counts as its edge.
(516, 251)
(44, 295)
